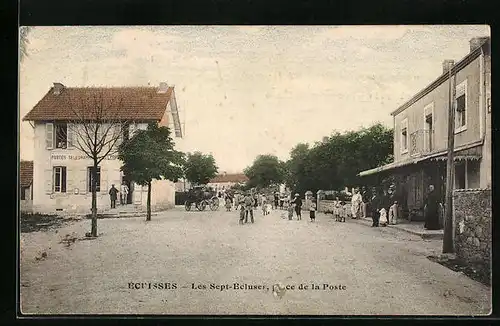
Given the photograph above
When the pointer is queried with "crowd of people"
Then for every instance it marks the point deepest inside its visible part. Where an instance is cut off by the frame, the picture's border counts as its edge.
(247, 202)
(381, 204)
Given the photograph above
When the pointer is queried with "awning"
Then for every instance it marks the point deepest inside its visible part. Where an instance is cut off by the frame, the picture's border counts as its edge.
(470, 152)
(387, 167)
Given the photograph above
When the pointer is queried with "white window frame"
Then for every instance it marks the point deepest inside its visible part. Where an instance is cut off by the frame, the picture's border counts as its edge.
(460, 89)
(403, 125)
(61, 181)
(428, 110)
(56, 124)
(89, 169)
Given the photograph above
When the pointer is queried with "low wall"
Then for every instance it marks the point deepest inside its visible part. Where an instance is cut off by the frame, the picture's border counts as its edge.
(326, 206)
(472, 214)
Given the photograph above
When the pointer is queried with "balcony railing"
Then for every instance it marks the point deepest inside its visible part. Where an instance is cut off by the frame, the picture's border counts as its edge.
(421, 142)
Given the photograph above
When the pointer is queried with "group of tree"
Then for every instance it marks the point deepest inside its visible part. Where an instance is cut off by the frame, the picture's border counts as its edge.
(266, 171)
(328, 165)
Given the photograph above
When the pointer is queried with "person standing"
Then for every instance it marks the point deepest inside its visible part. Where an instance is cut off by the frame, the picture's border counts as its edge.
(276, 200)
(113, 192)
(236, 200)
(312, 210)
(431, 210)
(356, 202)
(228, 202)
(374, 207)
(297, 203)
(249, 206)
(336, 209)
(123, 194)
(263, 202)
(393, 206)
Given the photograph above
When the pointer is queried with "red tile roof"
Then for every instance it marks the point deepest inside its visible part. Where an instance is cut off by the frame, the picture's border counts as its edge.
(26, 173)
(235, 178)
(119, 103)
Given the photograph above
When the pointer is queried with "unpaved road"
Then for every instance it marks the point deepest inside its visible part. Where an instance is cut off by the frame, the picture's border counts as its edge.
(381, 271)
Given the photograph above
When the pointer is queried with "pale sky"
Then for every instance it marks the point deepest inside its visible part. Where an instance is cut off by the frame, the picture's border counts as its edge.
(245, 91)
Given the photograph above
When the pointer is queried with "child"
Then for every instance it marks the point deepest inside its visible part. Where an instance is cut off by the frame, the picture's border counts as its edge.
(336, 209)
(383, 217)
(291, 209)
(264, 205)
(343, 211)
(312, 210)
(242, 213)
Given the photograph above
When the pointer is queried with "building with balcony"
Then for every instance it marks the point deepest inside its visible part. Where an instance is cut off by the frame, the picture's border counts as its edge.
(421, 132)
(62, 172)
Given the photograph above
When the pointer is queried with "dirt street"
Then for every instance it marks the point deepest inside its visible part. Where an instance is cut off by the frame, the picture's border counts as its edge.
(358, 270)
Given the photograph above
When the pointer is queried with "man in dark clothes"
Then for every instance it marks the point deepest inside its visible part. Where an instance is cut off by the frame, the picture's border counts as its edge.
(113, 195)
(297, 202)
(431, 210)
(276, 200)
(375, 205)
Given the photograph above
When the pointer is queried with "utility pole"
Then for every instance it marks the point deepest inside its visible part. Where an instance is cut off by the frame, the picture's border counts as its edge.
(448, 245)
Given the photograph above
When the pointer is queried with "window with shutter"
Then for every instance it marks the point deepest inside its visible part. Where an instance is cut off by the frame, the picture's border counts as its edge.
(70, 132)
(60, 179)
(70, 180)
(61, 135)
(49, 135)
(461, 107)
(82, 177)
(89, 179)
(48, 181)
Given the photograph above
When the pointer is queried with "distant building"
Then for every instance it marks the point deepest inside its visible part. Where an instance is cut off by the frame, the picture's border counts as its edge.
(421, 132)
(26, 186)
(226, 180)
(182, 186)
(61, 173)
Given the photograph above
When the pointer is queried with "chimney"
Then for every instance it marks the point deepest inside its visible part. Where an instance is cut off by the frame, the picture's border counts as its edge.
(447, 65)
(163, 87)
(58, 88)
(476, 42)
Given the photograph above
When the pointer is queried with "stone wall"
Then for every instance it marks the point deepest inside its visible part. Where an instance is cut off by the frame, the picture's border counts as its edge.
(472, 211)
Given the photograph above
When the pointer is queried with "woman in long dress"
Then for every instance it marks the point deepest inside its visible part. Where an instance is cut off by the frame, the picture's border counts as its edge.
(431, 210)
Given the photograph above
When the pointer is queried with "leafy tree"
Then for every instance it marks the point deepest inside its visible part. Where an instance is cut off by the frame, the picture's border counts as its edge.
(336, 161)
(265, 171)
(200, 168)
(294, 167)
(149, 155)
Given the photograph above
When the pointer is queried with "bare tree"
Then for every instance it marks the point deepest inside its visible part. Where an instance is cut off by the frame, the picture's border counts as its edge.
(95, 128)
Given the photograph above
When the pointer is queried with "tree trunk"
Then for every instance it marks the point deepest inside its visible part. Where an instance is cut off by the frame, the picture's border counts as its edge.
(148, 204)
(93, 231)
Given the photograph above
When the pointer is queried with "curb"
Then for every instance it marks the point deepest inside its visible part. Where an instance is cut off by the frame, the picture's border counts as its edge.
(423, 235)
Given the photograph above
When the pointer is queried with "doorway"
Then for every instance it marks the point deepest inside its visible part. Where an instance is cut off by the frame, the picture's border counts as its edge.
(130, 186)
